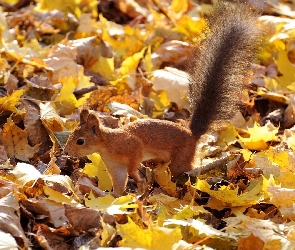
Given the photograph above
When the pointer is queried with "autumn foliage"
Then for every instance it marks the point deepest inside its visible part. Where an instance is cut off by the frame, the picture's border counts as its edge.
(127, 60)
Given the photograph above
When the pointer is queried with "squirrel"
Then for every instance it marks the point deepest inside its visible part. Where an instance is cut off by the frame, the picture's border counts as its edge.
(218, 68)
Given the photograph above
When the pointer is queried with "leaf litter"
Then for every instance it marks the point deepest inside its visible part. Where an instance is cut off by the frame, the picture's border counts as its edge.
(127, 58)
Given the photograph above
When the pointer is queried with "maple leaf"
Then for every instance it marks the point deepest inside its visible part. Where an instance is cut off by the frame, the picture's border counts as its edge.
(110, 204)
(259, 136)
(10, 102)
(273, 236)
(152, 238)
(15, 142)
(231, 196)
(62, 60)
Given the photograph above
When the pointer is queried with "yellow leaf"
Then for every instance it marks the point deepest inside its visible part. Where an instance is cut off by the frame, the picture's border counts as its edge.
(131, 39)
(170, 203)
(154, 237)
(286, 68)
(285, 161)
(84, 81)
(179, 7)
(272, 84)
(109, 204)
(195, 227)
(190, 27)
(107, 233)
(66, 100)
(274, 96)
(35, 46)
(104, 66)
(98, 169)
(291, 141)
(10, 102)
(161, 102)
(15, 142)
(43, 5)
(76, 7)
(57, 196)
(130, 63)
(232, 197)
(189, 212)
(148, 59)
(227, 136)
(121, 84)
(163, 177)
(259, 136)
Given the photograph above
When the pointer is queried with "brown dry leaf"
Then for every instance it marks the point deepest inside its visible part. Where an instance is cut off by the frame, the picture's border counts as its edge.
(40, 88)
(87, 50)
(49, 117)
(125, 98)
(248, 243)
(132, 8)
(53, 211)
(15, 142)
(6, 187)
(99, 99)
(11, 84)
(85, 186)
(82, 218)
(10, 220)
(3, 155)
(37, 134)
(170, 53)
(62, 60)
(48, 239)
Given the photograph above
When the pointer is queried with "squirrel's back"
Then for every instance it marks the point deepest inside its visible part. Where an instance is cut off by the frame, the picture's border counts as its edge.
(221, 63)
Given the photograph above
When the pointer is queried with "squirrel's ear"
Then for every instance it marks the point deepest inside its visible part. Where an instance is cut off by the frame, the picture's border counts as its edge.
(93, 124)
(83, 115)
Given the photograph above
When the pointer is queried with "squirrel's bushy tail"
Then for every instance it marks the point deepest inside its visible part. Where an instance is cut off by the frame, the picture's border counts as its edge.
(221, 64)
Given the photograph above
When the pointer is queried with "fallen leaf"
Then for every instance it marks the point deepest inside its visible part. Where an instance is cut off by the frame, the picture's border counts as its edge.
(10, 102)
(98, 169)
(15, 142)
(153, 237)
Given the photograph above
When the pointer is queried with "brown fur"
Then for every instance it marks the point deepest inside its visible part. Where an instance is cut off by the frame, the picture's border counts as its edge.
(123, 149)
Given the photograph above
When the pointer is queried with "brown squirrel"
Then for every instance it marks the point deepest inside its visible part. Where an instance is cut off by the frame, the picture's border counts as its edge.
(217, 71)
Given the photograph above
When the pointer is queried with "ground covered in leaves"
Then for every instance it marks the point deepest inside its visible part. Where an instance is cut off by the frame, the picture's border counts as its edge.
(126, 59)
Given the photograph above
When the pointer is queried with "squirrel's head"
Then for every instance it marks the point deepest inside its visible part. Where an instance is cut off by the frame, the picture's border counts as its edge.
(84, 139)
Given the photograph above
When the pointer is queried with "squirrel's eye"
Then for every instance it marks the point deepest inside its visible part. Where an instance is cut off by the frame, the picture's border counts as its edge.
(80, 141)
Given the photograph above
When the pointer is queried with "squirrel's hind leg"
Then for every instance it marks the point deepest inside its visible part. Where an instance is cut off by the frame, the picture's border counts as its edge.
(182, 160)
